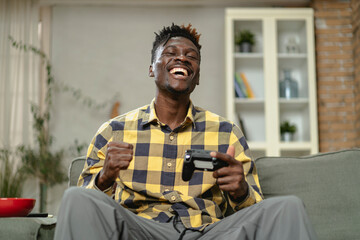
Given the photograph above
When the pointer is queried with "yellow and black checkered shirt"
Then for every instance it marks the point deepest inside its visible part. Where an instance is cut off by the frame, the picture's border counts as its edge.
(152, 186)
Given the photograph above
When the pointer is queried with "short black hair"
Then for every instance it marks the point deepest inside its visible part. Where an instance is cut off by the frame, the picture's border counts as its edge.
(175, 31)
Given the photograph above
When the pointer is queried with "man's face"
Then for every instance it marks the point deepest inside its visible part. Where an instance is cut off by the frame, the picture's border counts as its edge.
(176, 66)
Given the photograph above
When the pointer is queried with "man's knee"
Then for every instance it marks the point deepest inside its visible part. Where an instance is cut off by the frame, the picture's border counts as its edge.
(285, 204)
(293, 201)
(77, 194)
(290, 200)
(72, 192)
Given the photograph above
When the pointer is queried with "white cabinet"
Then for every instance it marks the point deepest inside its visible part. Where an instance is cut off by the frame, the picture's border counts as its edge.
(284, 40)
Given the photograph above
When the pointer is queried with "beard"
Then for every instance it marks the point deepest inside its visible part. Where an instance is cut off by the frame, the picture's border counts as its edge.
(177, 92)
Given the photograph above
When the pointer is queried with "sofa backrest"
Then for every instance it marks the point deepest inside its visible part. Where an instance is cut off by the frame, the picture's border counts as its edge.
(328, 184)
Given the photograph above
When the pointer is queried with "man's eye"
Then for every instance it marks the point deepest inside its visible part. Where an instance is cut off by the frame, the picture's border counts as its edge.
(169, 53)
(194, 57)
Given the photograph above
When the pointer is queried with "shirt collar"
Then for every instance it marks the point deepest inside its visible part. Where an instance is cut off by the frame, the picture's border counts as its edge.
(152, 117)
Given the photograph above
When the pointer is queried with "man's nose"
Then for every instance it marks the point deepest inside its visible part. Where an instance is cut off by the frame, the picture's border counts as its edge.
(181, 57)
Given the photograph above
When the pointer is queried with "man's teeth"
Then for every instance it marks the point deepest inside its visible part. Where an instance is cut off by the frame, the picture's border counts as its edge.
(179, 71)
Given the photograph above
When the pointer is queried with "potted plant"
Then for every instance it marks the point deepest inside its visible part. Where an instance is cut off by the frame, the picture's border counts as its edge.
(287, 131)
(245, 39)
(12, 178)
(42, 161)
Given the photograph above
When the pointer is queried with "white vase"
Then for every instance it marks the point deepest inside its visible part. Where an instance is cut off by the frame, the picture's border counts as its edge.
(287, 137)
(245, 47)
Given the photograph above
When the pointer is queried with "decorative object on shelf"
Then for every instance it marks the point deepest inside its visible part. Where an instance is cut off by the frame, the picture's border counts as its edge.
(245, 39)
(287, 131)
(288, 86)
(292, 46)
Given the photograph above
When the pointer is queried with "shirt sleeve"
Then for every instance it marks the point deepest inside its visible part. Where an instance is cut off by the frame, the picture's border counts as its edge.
(242, 153)
(95, 158)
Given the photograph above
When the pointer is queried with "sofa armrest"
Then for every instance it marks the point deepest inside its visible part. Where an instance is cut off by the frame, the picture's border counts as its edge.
(75, 170)
(24, 228)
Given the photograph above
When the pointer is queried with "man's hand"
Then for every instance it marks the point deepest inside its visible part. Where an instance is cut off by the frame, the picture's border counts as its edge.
(231, 179)
(118, 157)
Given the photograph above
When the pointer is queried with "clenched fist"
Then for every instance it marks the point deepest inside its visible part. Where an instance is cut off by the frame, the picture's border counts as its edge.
(118, 157)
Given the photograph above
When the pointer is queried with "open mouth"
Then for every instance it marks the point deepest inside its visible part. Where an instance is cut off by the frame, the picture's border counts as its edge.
(179, 72)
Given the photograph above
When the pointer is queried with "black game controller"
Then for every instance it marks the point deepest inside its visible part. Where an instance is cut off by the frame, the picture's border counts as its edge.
(201, 160)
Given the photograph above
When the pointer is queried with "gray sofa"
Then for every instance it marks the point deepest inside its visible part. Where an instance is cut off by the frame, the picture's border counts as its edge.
(328, 184)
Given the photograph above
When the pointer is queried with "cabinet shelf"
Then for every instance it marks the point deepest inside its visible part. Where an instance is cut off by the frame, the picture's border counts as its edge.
(248, 101)
(295, 145)
(249, 104)
(284, 40)
(248, 55)
(293, 103)
(292, 55)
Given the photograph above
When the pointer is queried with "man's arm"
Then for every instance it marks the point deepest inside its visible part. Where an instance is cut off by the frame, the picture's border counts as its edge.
(104, 160)
(231, 179)
(240, 178)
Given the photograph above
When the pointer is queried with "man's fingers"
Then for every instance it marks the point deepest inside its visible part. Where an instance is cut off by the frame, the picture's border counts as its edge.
(119, 150)
(119, 155)
(224, 156)
(225, 171)
(227, 157)
(228, 184)
(119, 160)
(120, 145)
(231, 151)
(124, 164)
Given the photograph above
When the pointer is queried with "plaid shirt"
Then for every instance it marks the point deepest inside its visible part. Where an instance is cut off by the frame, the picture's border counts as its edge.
(152, 186)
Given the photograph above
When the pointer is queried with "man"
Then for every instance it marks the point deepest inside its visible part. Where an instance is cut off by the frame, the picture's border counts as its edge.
(137, 159)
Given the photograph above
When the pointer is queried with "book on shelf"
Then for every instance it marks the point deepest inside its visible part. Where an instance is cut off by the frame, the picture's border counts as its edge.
(238, 92)
(242, 86)
(249, 90)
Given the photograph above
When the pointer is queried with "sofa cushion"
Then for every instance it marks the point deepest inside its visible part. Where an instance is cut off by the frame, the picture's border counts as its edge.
(328, 184)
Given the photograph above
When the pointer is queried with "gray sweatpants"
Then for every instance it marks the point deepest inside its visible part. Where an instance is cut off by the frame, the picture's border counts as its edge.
(90, 214)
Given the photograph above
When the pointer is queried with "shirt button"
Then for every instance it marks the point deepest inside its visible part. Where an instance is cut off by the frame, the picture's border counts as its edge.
(166, 190)
(169, 164)
(173, 198)
(172, 137)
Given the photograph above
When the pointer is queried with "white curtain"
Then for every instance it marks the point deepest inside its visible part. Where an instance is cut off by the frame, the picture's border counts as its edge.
(19, 71)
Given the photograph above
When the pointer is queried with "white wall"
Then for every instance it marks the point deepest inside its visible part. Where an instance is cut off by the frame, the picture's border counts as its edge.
(104, 49)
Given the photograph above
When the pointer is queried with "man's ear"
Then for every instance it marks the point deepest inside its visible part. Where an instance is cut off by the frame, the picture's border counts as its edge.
(151, 73)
